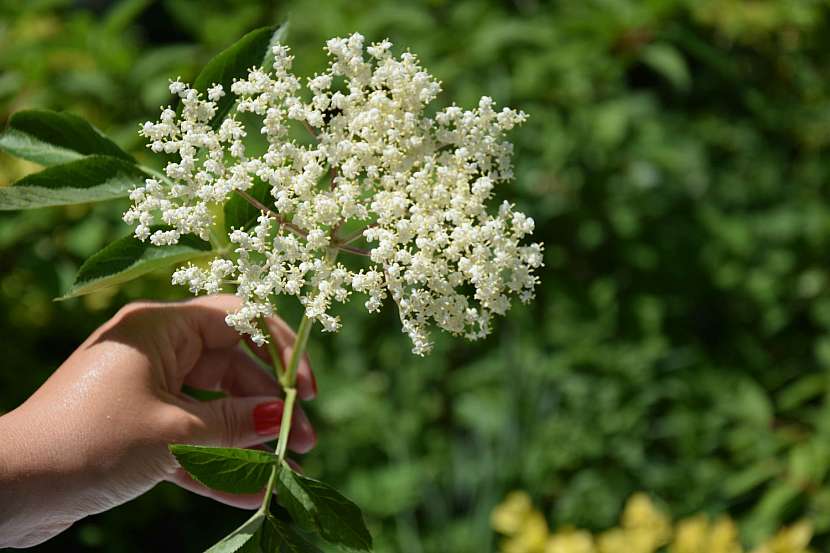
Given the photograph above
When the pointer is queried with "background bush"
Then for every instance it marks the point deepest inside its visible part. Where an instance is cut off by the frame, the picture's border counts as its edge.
(676, 163)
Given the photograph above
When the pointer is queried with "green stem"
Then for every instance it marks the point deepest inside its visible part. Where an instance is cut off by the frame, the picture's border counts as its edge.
(276, 359)
(298, 351)
(285, 424)
(287, 378)
(269, 491)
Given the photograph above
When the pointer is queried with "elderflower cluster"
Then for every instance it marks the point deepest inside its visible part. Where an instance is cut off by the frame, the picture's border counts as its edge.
(417, 185)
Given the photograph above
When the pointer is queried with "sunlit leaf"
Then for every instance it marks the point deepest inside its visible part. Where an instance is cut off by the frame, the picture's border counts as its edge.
(51, 137)
(226, 469)
(129, 258)
(89, 179)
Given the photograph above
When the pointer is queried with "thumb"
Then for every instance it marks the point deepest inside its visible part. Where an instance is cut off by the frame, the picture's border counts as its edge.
(237, 421)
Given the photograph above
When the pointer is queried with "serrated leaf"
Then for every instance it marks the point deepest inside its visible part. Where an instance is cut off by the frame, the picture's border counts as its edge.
(239, 213)
(128, 258)
(51, 137)
(89, 179)
(240, 537)
(279, 537)
(233, 63)
(226, 469)
(318, 507)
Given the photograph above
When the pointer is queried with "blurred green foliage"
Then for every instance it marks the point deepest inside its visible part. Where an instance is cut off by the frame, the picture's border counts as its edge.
(676, 163)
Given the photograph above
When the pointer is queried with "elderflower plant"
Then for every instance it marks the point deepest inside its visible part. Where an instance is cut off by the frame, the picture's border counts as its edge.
(418, 185)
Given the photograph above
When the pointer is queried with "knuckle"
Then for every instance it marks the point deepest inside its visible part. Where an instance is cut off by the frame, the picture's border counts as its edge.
(180, 426)
(135, 310)
(228, 419)
(135, 307)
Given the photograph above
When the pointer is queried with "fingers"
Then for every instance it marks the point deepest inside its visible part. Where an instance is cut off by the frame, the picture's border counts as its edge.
(231, 370)
(284, 339)
(241, 500)
(206, 317)
(247, 421)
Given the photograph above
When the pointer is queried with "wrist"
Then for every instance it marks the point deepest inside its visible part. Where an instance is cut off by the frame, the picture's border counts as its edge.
(31, 483)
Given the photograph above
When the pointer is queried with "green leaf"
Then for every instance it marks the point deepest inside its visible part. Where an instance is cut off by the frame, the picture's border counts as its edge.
(128, 258)
(233, 63)
(319, 507)
(239, 213)
(240, 537)
(89, 179)
(51, 137)
(279, 537)
(226, 469)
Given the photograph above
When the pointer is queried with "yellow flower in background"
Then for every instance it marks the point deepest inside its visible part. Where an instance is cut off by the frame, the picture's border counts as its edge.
(724, 537)
(571, 541)
(531, 536)
(699, 535)
(691, 535)
(613, 541)
(792, 539)
(643, 529)
(509, 515)
(646, 528)
(525, 527)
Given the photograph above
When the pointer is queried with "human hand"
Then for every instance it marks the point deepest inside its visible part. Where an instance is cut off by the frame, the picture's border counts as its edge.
(95, 435)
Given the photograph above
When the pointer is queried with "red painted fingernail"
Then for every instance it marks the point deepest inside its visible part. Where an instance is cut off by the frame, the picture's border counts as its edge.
(267, 417)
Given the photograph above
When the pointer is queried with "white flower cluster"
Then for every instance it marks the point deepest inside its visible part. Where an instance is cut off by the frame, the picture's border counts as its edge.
(418, 185)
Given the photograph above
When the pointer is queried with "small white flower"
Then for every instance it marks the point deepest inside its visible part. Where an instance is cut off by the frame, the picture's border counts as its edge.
(215, 92)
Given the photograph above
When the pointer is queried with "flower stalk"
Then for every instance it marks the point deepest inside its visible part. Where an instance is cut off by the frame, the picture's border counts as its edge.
(287, 377)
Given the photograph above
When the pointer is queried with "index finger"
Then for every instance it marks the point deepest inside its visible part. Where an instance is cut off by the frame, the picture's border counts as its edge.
(207, 317)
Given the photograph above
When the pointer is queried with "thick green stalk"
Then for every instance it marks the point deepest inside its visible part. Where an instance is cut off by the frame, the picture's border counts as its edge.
(285, 425)
(298, 351)
(287, 378)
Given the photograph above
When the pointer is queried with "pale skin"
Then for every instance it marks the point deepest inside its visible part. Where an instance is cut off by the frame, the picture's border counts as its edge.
(95, 434)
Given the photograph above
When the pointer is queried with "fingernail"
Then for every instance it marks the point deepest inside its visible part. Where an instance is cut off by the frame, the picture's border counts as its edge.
(267, 417)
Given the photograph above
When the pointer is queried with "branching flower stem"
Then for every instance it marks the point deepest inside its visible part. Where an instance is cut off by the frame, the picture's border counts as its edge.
(355, 235)
(310, 130)
(271, 213)
(351, 249)
(297, 230)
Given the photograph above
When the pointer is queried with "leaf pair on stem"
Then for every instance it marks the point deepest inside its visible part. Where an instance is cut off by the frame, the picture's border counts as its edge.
(314, 506)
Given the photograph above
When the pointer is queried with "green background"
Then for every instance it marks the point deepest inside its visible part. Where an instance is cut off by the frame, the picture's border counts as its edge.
(676, 162)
